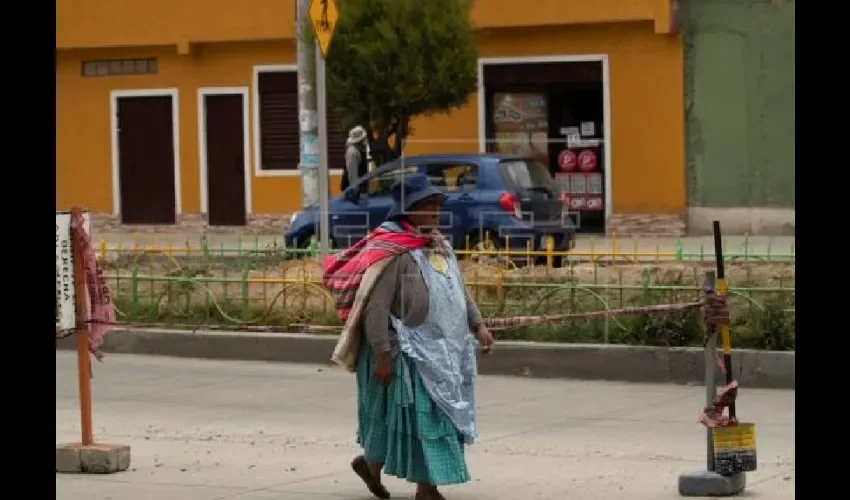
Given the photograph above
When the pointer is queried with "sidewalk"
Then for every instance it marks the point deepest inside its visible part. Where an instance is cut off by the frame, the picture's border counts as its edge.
(215, 430)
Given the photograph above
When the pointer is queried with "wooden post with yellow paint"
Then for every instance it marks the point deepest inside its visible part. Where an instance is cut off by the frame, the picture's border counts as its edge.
(712, 482)
(722, 289)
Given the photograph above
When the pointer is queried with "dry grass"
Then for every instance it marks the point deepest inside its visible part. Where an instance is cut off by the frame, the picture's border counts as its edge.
(302, 291)
(753, 274)
(282, 294)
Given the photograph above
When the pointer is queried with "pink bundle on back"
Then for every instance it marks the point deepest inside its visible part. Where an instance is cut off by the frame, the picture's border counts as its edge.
(344, 271)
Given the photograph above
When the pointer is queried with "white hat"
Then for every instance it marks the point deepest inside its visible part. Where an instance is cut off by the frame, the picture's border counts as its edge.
(356, 136)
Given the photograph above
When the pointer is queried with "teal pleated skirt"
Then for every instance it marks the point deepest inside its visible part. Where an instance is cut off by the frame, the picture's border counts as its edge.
(415, 441)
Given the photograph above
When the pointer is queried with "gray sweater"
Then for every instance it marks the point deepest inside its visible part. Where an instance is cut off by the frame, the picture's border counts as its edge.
(353, 157)
(401, 291)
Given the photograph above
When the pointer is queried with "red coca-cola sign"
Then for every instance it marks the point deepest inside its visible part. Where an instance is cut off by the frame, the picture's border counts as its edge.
(587, 160)
(567, 160)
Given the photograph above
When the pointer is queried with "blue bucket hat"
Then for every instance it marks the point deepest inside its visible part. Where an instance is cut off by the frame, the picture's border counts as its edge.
(410, 190)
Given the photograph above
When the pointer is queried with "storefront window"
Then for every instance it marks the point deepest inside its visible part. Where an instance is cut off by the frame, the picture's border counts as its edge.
(521, 124)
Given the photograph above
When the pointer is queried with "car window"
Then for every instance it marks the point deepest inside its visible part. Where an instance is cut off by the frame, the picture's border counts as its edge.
(382, 184)
(450, 177)
(527, 174)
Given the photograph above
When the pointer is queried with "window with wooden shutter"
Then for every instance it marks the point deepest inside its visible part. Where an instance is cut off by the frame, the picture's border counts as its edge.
(278, 104)
(279, 135)
(337, 136)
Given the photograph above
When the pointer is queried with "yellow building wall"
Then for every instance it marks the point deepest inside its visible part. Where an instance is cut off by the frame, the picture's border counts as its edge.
(647, 107)
(511, 13)
(83, 148)
(646, 90)
(129, 23)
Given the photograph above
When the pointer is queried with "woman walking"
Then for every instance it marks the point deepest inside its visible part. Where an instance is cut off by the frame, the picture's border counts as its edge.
(410, 335)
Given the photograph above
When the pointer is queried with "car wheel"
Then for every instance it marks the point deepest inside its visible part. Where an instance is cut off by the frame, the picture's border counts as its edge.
(304, 246)
(307, 244)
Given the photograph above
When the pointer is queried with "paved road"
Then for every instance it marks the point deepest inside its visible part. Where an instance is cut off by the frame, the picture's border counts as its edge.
(212, 430)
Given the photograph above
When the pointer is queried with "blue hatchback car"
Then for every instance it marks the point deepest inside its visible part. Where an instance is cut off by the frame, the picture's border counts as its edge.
(510, 198)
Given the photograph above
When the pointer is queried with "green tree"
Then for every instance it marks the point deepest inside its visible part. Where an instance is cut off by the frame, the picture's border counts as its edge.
(391, 60)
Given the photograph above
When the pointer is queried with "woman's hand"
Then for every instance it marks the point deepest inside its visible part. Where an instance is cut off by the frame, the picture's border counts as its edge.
(383, 370)
(485, 338)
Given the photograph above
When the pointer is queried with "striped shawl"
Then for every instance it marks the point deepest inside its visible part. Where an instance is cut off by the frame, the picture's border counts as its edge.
(350, 276)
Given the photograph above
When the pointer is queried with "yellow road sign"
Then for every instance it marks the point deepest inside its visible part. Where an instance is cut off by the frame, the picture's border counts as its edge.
(323, 15)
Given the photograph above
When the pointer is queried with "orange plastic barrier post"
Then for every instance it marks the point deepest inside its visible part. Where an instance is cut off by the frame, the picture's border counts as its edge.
(82, 334)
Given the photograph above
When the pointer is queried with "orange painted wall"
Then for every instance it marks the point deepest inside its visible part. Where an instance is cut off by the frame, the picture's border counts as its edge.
(647, 115)
(128, 23)
(647, 109)
(510, 13)
(82, 119)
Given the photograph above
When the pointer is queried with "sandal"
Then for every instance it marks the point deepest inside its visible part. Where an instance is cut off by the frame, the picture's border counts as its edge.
(361, 468)
(429, 495)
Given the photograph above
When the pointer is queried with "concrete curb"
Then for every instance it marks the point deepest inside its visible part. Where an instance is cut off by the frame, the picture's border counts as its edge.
(765, 369)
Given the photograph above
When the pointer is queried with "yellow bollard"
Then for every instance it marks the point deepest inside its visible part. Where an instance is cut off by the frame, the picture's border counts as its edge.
(614, 248)
(636, 249)
(500, 290)
(102, 246)
(478, 284)
(593, 249)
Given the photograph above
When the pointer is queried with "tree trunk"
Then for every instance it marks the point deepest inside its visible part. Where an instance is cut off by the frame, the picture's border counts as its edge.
(378, 143)
(396, 128)
(401, 130)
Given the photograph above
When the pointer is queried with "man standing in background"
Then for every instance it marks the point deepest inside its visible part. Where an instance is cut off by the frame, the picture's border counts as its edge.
(356, 156)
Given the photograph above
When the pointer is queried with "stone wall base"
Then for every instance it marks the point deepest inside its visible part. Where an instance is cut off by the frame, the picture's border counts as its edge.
(646, 224)
(193, 223)
(756, 221)
(753, 221)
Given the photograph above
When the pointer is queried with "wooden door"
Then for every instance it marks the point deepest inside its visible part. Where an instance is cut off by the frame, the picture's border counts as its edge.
(225, 159)
(146, 160)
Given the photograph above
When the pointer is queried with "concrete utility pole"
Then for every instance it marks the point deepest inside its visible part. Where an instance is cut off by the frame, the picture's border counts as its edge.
(308, 162)
(324, 174)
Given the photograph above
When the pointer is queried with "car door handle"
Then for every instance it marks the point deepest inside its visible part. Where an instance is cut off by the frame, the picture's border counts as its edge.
(465, 197)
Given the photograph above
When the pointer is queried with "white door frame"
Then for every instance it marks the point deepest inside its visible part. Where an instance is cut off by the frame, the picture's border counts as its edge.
(255, 108)
(202, 142)
(114, 96)
(606, 103)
